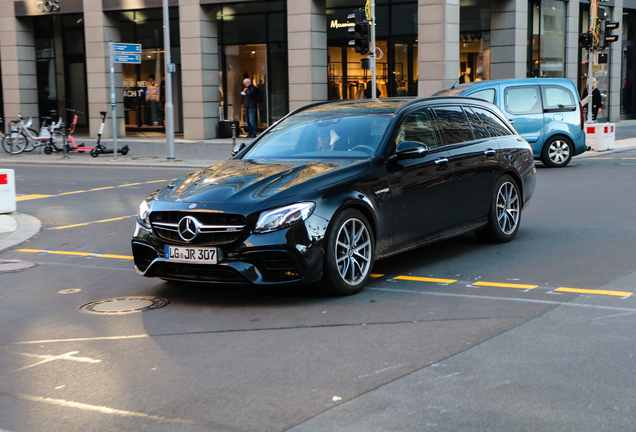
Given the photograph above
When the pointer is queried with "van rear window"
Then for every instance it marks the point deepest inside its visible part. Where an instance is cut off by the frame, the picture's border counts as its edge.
(557, 97)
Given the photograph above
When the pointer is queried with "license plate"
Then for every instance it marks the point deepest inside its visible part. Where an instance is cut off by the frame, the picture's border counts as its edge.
(197, 255)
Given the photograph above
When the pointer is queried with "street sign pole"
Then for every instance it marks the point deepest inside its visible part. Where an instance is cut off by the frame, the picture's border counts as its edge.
(169, 108)
(112, 96)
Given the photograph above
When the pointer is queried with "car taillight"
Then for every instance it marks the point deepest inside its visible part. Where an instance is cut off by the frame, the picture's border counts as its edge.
(582, 115)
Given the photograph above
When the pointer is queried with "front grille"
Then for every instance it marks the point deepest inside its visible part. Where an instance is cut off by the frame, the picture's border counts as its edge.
(216, 228)
(276, 263)
(143, 255)
(188, 272)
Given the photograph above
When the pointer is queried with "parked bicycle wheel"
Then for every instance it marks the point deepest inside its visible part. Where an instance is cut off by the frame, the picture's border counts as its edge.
(31, 143)
(14, 143)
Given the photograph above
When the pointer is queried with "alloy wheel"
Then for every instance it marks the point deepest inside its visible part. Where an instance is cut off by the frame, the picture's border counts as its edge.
(559, 152)
(353, 251)
(508, 208)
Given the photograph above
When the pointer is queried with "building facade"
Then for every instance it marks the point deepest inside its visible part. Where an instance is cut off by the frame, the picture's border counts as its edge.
(55, 54)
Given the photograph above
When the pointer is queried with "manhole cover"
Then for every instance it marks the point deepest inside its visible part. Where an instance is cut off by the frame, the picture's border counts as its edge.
(124, 305)
(10, 266)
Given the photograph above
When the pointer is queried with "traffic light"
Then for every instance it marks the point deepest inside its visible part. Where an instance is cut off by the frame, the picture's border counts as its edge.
(361, 31)
(586, 40)
(606, 36)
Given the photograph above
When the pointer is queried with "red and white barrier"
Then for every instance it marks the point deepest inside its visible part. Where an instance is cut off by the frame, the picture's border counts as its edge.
(7, 191)
(600, 136)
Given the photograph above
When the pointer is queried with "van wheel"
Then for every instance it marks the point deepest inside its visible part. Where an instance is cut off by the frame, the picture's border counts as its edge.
(557, 152)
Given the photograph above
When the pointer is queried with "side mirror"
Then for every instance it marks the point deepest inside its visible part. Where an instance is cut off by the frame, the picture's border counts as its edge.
(237, 149)
(411, 150)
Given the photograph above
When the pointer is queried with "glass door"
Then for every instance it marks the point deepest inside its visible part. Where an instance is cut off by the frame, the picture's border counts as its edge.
(246, 61)
(627, 87)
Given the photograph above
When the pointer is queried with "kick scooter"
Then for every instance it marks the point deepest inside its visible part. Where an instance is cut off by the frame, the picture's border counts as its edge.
(101, 148)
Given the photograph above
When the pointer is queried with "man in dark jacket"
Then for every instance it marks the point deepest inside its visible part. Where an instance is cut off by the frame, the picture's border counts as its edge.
(597, 101)
(250, 102)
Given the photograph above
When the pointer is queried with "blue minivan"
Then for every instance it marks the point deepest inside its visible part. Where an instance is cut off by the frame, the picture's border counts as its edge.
(546, 112)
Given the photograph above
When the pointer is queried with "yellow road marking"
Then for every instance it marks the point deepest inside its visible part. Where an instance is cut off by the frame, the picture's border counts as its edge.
(376, 275)
(600, 292)
(84, 254)
(30, 197)
(36, 196)
(505, 285)
(71, 226)
(88, 223)
(601, 158)
(113, 219)
(424, 279)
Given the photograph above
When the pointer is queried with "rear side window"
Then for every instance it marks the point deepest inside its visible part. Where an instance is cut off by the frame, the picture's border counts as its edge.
(495, 126)
(488, 95)
(523, 100)
(478, 128)
(557, 98)
(418, 126)
(454, 124)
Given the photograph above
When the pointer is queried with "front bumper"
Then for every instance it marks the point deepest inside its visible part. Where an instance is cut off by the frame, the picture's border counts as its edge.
(289, 256)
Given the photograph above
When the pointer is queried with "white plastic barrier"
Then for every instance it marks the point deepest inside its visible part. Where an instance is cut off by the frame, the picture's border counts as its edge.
(7, 191)
(600, 136)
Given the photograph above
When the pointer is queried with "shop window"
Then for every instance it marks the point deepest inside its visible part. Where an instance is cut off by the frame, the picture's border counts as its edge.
(474, 40)
(546, 38)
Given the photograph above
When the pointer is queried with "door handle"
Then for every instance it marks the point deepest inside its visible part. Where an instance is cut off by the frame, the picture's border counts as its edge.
(490, 152)
(441, 161)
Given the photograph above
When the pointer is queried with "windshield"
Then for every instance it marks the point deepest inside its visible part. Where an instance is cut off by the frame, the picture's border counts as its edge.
(322, 136)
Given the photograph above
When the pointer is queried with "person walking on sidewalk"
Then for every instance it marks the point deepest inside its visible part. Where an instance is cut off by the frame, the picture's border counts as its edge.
(252, 97)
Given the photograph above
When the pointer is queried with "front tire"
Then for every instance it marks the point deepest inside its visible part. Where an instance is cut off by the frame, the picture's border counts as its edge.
(504, 216)
(14, 143)
(349, 254)
(557, 152)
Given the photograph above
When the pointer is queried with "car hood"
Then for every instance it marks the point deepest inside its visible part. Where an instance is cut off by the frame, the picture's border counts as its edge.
(242, 181)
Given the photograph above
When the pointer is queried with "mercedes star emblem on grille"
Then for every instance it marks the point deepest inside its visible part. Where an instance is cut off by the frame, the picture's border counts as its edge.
(189, 228)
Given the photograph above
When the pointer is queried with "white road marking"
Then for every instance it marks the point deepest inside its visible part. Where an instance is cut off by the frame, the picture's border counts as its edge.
(50, 358)
(105, 410)
(83, 339)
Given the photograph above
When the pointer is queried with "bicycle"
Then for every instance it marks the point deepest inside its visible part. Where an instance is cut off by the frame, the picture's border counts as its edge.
(23, 138)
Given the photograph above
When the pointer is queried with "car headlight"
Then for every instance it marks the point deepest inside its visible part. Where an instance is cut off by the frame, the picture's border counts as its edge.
(283, 217)
(144, 212)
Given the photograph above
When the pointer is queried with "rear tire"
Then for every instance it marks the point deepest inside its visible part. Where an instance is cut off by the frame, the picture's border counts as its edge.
(349, 254)
(504, 216)
(557, 152)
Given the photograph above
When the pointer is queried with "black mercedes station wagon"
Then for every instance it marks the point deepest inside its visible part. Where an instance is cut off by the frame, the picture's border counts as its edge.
(334, 186)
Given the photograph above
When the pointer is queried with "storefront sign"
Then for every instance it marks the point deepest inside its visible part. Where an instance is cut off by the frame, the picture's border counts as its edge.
(337, 24)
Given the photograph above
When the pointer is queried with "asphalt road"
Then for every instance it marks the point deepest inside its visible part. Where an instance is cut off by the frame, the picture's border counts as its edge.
(531, 335)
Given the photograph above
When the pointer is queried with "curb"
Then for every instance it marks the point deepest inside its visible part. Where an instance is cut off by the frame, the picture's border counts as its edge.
(28, 227)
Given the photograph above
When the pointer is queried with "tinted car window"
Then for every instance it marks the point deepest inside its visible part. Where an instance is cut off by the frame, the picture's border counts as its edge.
(495, 126)
(523, 100)
(488, 95)
(557, 97)
(478, 128)
(418, 126)
(347, 135)
(454, 123)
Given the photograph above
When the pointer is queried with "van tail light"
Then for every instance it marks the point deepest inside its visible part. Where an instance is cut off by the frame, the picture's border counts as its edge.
(582, 116)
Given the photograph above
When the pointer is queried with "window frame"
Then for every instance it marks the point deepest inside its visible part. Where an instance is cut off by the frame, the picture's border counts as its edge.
(569, 108)
(441, 131)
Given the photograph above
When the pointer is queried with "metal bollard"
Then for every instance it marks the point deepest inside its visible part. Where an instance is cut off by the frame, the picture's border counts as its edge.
(233, 135)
